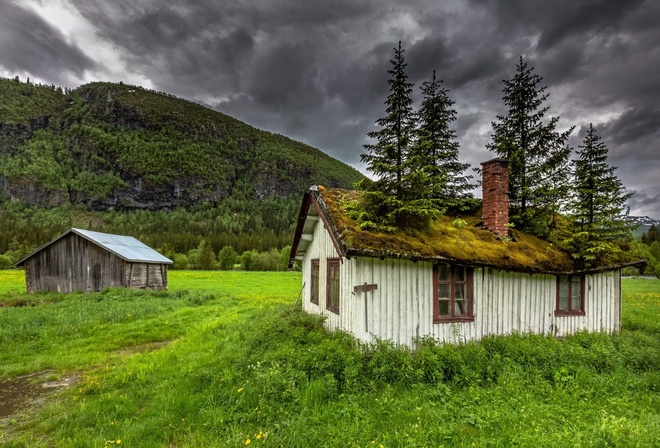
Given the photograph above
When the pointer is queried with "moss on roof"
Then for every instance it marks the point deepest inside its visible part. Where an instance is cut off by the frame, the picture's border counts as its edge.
(470, 245)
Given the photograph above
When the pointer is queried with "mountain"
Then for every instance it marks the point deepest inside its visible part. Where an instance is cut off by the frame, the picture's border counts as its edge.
(110, 146)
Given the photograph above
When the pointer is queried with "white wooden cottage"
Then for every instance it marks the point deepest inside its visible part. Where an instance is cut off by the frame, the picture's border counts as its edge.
(452, 284)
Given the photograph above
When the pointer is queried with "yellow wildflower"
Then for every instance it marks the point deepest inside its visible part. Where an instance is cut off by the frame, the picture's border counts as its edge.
(118, 441)
(248, 441)
(240, 390)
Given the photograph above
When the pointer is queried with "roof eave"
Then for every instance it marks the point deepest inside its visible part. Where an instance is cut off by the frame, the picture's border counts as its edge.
(352, 252)
(313, 198)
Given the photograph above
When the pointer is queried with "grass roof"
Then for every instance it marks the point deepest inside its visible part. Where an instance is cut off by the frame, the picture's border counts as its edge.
(470, 245)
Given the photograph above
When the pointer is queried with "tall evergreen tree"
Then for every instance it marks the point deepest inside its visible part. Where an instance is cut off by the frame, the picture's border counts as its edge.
(598, 208)
(652, 235)
(434, 156)
(386, 157)
(394, 200)
(537, 153)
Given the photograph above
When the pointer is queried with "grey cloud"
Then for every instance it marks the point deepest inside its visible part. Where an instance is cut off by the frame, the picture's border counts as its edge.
(634, 124)
(579, 19)
(317, 71)
(284, 77)
(645, 204)
(29, 44)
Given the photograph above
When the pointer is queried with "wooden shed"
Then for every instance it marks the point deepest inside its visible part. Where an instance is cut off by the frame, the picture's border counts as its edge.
(83, 260)
(452, 284)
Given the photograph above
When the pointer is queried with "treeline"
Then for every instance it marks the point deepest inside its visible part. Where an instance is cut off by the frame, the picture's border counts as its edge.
(259, 228)
(649, 246)
(227, 259)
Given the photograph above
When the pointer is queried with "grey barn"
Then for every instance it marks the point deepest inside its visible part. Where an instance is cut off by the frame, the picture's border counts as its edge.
(82, 260)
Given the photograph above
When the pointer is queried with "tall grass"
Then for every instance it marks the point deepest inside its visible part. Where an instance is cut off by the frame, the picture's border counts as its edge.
(251, 370)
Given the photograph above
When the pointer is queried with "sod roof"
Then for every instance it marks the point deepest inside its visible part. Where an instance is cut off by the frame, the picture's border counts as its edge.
(470, 245)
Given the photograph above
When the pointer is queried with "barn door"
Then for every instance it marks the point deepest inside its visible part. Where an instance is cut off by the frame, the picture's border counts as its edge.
(96, 277)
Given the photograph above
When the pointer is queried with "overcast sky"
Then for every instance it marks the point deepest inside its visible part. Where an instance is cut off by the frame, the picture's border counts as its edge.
(316, 71)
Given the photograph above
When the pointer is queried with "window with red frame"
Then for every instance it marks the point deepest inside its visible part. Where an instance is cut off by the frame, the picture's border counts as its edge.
(570, 295)
(332, 285)
(452, 293)
(314, 282)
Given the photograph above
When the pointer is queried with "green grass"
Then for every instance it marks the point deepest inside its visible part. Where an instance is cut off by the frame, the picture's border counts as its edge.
(236, 363)
(12, 280)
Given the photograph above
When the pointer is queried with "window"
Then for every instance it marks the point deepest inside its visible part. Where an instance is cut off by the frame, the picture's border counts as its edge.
(570, 295)
(314, 283)
(332, 286)
(452, 293)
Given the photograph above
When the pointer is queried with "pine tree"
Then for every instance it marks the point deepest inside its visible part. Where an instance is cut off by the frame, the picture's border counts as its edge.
(537, 154)
(386, 157)
(598, 209)
(206, 255)
(652, 234)
(387, 203)
(434, 156)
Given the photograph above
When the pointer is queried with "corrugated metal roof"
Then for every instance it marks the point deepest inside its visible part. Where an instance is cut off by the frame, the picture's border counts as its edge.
(126, 247)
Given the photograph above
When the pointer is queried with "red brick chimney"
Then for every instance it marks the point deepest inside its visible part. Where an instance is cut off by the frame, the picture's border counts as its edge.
(495, 203)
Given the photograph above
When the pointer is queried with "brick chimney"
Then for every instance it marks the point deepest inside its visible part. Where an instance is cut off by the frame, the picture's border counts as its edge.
(495, 204)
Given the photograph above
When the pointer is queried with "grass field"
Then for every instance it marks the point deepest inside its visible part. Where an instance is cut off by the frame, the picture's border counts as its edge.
(223, 359)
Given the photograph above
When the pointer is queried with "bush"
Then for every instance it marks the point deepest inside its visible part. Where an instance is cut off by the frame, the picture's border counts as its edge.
(5, 262)
(180, 261)
(265, 261)
(226, 258)
(246, 260)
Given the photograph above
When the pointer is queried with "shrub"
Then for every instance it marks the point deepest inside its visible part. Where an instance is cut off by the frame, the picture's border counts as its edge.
(180, 261)
(5, 262)
(226, 258)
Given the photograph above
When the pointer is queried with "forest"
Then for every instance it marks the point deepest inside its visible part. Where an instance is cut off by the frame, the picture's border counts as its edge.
(122, 159)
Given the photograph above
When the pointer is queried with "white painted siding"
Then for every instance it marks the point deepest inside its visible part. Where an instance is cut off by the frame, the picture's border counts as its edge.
(504, 302)
(601, 304)
(401, 308)
(322, 248)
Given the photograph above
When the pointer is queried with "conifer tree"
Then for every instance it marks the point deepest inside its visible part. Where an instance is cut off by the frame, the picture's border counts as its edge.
(386, 157)
(537, 153)
(387, 202)
(434, 156)
(598, 208)
(651, 236)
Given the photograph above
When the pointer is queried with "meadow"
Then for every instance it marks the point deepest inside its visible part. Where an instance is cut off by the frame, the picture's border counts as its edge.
(226, 359)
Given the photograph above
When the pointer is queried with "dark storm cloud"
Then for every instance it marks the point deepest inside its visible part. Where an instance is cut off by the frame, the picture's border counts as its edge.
(29, 44)
(635, 124)
(580, 19)
(646, 204)
(317, 70)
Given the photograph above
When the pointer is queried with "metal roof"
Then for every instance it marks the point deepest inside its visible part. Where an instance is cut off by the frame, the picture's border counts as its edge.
(126, 247)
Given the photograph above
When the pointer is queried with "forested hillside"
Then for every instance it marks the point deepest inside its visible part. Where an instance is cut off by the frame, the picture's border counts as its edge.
(120, 158)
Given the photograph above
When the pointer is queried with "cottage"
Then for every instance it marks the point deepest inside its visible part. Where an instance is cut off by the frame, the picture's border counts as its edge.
(451, 283)
(82, 260)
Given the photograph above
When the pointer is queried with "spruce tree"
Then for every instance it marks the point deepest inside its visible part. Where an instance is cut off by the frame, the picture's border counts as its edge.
(389, 203)
(434, 156)
(386, 157)
(537, 153)
(598, 208)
